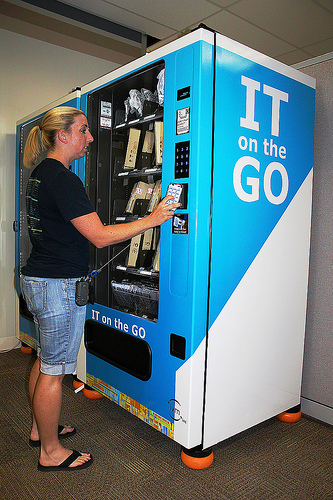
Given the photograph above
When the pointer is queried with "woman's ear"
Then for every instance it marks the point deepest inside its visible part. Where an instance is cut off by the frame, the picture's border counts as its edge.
(62, 136)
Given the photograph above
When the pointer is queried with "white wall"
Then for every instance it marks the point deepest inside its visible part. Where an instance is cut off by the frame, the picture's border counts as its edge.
(33, 73)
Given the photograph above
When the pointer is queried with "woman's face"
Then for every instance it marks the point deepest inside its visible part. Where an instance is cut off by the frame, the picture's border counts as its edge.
(79, 137)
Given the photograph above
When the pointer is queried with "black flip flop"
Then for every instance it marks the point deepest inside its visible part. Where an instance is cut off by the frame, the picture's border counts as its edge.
(36, 444)
(65, 465)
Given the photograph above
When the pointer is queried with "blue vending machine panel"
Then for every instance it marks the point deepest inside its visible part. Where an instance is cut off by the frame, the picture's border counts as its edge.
(26, 331)
(150, 310)
(197, 327)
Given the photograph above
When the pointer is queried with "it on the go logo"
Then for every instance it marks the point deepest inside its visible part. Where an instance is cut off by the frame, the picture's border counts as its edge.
(255, 174)
(175, 411)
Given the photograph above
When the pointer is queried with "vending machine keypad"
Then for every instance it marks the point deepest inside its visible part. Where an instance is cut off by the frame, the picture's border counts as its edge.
(182, 159)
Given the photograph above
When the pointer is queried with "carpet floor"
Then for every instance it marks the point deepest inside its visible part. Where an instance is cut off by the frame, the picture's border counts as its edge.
(132, 461)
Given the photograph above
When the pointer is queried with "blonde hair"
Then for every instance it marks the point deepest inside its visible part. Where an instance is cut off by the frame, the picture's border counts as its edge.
(43, 137)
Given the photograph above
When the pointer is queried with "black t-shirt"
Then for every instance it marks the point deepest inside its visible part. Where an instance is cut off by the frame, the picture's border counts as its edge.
(55, 196)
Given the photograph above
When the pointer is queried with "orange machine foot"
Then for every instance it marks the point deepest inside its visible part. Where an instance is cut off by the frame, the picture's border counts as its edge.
(87, 391)
(290, 416)
(197, 458)
(91, 393)
(26, 349)
(77, 383)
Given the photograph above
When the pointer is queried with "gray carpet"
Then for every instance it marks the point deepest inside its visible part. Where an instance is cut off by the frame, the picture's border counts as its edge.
(132, 461)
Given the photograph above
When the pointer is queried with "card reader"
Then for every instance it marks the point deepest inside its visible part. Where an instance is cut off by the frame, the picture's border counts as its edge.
(179, 193)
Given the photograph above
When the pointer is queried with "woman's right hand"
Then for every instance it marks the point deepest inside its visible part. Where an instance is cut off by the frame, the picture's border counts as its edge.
(163, 212)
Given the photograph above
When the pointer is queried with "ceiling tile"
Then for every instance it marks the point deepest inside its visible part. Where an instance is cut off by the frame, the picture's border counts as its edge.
(122, 17)
(328, 4)
(275, 27)
(320, 48)
(237, 29)
(176, 16)
(295, 21)
(294, 57)
(222, 3)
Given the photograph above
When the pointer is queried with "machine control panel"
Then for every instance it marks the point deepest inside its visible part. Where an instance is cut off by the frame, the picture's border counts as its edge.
(182, 159)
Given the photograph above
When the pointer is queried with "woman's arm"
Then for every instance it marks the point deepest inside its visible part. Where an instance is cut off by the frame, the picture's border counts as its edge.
(91, 227)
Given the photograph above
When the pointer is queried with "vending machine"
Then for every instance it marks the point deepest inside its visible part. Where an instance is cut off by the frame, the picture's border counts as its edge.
(26, 328)
(197, 327)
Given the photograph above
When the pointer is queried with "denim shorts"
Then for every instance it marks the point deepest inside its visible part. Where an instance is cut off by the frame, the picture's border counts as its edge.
(59, 322)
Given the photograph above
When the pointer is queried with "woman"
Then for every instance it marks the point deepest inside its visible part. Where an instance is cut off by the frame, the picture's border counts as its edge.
(61, 222)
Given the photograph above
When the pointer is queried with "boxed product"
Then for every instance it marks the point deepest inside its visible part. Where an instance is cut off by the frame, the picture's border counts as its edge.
(132, 148)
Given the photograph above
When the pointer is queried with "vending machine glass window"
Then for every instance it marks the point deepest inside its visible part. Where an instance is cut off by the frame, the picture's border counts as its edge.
(123, 181)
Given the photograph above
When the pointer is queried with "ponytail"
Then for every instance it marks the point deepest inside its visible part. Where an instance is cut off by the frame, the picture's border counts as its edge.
(33, 147)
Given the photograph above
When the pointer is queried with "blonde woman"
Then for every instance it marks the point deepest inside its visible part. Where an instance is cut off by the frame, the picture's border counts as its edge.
(61, 222)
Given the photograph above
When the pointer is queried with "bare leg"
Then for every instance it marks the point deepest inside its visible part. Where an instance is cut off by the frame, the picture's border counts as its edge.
(32, 384)
(46, 407)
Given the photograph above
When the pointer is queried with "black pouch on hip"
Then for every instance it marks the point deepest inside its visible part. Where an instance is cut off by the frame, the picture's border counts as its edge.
(82, 292)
